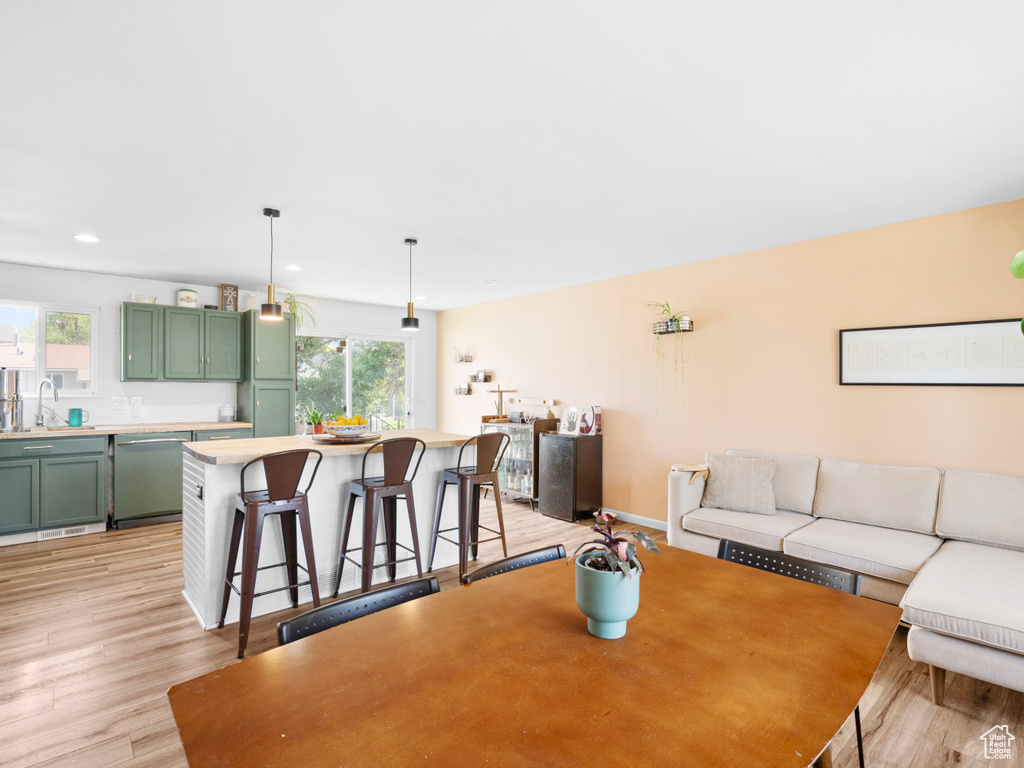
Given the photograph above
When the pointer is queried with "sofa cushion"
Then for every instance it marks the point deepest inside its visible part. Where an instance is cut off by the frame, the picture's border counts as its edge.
(971, 591)
(795, 478)
(764, 531)
(878, 494)
(983, 508)
(740, 483)
(882, 552)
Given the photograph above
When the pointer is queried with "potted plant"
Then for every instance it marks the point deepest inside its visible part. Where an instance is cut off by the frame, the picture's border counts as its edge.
(675, 323)
(1017, 270)
(316, 419)
(608, 577)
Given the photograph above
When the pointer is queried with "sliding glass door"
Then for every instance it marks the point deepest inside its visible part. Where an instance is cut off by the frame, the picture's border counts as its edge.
(349, 375)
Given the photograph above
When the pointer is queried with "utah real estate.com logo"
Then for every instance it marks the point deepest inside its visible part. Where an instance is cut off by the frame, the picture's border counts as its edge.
(998, 742)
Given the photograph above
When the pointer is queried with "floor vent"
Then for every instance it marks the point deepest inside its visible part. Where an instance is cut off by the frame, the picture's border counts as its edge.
(60, 533)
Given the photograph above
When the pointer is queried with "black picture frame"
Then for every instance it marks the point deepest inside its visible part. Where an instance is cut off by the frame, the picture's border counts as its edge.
(974, 353)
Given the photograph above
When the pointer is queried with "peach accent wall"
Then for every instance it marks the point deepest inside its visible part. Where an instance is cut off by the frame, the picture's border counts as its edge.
(763, 365)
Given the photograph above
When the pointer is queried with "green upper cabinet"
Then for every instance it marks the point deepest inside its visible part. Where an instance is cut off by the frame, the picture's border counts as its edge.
(223, 346)
(184, 344)
(140, 342)
(271, 346)
(160, 343)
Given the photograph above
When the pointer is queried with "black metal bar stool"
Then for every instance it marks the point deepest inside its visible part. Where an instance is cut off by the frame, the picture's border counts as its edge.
(282, 498)
(490, 447)
(394, 485)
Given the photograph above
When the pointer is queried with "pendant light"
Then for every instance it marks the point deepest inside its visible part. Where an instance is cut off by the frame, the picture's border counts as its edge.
(271, 310)
(410, 322)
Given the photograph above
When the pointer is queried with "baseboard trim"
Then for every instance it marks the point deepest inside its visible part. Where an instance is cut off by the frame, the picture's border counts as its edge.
(626, 517)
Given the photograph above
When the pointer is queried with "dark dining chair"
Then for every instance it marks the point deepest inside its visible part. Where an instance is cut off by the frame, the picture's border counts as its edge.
(490, 447)
(557, 552)
(357, 606)
(804, 570)
(401, 454)
(283, 472)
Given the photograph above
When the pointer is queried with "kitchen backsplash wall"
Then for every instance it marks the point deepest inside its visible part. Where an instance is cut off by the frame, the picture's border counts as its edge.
(185, 401)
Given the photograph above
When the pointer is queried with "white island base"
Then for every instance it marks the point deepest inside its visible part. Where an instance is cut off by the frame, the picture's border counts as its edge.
(211, 483)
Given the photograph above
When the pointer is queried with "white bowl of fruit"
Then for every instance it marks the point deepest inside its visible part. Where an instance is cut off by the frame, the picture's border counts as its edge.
(353, 426)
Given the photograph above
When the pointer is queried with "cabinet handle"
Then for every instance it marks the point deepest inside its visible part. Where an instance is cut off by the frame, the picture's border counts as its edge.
(129, 358)
(36, 447)
(156, 440)
(257, 360)
(257, 403)
(223, 437)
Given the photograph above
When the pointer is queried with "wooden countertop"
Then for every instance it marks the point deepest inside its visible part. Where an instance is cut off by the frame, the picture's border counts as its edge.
(129, 429)
(241, 451)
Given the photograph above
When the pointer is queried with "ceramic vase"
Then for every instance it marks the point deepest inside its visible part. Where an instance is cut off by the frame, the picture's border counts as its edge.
(608, 599)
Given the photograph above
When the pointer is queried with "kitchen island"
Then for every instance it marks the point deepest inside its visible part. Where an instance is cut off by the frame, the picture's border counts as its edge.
(211, 482)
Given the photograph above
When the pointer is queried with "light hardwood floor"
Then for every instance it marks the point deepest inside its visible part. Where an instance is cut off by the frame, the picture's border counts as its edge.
(93, 631)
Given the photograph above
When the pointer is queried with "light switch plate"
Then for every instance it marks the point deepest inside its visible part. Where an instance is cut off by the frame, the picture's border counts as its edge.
(119, 403)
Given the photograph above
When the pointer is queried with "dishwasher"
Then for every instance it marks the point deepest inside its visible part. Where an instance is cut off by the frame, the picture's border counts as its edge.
(147, 476)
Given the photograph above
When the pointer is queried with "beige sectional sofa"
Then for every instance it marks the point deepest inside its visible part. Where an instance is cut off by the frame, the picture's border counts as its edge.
(948, 547)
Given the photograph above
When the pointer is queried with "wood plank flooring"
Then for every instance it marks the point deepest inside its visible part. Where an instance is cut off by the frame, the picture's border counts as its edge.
(93, 631)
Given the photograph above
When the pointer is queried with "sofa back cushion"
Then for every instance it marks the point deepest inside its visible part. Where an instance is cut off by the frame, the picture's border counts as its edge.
(878, 494)
(795, 478)
(982, 508)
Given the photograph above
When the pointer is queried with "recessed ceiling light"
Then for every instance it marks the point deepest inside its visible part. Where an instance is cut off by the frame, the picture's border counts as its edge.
(421, 298)
(293, 268)
(84, 238)
(490, 282)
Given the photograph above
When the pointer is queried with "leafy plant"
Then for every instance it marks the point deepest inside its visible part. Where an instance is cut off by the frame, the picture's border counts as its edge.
(303, 311)
(1017, 270)
(672, 322)
(315, 417)
(619, 554)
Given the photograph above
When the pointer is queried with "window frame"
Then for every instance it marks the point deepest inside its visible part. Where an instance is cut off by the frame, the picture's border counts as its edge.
(41, 309)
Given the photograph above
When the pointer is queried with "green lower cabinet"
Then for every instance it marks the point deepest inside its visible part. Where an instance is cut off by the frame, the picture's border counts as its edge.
(19, 500)
(71, 490)
(273, 413)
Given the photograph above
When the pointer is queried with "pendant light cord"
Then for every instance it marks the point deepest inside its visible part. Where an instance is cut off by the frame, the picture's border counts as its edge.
(410, 273)
(271, 250)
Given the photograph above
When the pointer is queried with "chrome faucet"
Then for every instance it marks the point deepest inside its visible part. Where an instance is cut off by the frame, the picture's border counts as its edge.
(56, 397)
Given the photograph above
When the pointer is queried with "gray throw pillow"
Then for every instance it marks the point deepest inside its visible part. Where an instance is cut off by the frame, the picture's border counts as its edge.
(740, 483)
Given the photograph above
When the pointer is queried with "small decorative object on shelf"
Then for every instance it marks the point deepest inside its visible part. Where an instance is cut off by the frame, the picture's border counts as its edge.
(458, 357)
(188, 298)
(463, 389)
(479, 376)
(608, 577)
(671, 322)
(229, 297)
(138, 298)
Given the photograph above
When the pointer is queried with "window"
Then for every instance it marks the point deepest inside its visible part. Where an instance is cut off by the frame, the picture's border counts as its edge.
(52, 342)
(350, 375)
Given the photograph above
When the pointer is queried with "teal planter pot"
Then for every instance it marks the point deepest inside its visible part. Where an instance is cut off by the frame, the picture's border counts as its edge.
(607, 599)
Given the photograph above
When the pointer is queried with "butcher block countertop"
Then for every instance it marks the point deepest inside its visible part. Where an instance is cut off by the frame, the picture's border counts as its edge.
(128, 429)
(241, 451)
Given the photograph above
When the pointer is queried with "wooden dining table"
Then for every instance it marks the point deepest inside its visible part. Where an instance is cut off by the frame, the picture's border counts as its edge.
(723, 665)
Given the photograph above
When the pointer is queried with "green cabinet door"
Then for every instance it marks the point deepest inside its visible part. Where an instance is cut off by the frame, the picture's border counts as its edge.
(19, 501)
(140, 342)
(184, 344)
(273, 410)
(72, 490)
(273, 347)
(223, 346)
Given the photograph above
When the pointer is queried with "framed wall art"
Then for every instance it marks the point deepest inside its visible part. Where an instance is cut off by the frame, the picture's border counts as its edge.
(229, 297)
(983, 353)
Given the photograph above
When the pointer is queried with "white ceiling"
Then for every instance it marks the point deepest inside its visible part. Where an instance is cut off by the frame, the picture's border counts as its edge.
(540, 144)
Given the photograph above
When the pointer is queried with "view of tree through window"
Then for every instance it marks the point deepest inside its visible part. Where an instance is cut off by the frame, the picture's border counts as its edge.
(66, 346)
(377, 379)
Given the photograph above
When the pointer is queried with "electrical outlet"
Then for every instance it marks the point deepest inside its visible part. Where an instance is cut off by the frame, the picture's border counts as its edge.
(136, 406)
(119, 403)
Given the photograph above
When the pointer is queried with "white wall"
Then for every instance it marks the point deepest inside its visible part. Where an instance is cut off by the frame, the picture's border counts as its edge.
(185, 401)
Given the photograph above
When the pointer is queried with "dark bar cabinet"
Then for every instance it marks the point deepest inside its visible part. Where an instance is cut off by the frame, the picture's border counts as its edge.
(570, 476)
